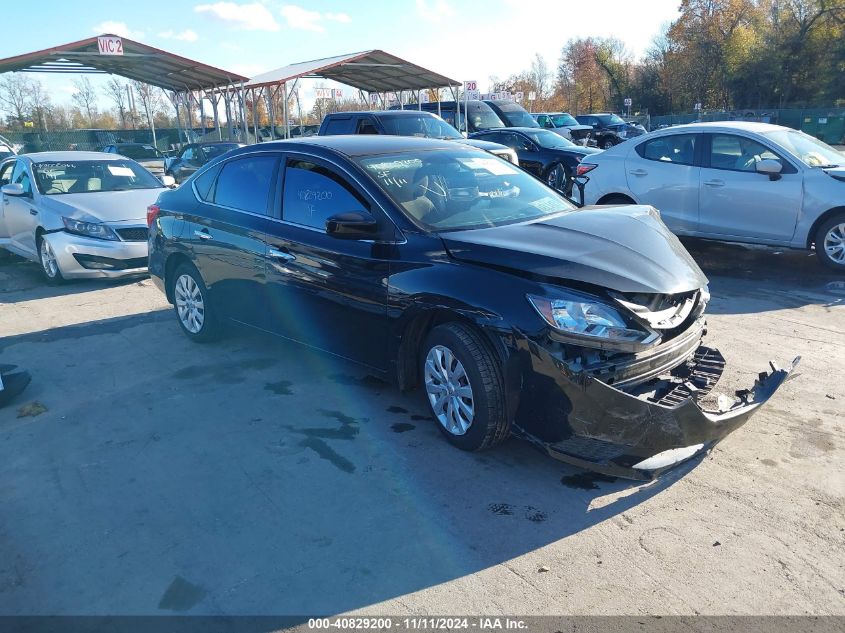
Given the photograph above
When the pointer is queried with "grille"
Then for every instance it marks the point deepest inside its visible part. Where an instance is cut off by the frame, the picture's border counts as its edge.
(134, 234)
(707, 367)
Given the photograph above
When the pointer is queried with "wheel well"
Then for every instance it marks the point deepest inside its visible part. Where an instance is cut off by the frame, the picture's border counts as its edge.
(170, 267)
(607, 198)
(824, 217)
(414, 334)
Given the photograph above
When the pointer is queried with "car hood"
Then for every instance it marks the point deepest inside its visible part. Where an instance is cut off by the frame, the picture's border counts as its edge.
(103, 206)
(627, 249)
(577, 128)
(485, 145)
(151, 162)
(836, 172)
(580, 150)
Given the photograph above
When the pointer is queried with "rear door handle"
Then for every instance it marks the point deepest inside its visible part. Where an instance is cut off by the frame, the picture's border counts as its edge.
(275, 253)
(638, 172)
(203, 235)
(33, 212)
(714, 183)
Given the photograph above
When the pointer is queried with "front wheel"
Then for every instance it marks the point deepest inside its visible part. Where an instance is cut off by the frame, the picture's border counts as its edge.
(49, 262)
(464, 387)
(830, 242)
(558, 179)
(194, 311)
(607, 143)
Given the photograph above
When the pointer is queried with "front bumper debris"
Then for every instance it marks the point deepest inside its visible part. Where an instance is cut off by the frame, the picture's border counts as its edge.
(640, 434)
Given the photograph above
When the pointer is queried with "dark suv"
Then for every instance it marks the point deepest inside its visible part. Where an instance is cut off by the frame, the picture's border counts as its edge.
(476, 116)
(610, 129)
(406, 123)
(512, 114)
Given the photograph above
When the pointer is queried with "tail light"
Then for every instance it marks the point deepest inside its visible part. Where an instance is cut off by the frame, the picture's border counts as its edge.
(152, 213)
(584, 168)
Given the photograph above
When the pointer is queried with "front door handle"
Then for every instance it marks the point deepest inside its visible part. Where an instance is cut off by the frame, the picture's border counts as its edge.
(275, 253)
(33, 212)
(638, 172)
(203, 235)
(714, 183)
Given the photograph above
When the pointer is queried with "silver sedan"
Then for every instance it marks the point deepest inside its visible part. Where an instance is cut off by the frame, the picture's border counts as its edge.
(78, 214)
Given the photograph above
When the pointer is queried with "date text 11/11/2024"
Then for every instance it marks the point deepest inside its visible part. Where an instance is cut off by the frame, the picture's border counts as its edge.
(419, 623)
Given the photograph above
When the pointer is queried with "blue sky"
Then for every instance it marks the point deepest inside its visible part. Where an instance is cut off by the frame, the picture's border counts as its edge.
(463, 39)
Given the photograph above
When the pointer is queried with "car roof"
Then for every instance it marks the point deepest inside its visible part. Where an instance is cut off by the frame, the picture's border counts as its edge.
(360, 144)
(710, 126)
(49, 157)
(381, 113)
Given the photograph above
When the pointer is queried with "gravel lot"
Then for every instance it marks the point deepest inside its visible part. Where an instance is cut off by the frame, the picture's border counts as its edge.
(255, 477)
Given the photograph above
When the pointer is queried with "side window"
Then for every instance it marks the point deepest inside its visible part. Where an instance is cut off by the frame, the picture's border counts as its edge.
(245, 183)
(339, 126)
(544, 121)
(675, 148)
(448, 116)
(366, 126)
(204, 184)
(187, 153)
(738, 153)
(313, 194)
(515, 141)
(21, 175)
(6, 173)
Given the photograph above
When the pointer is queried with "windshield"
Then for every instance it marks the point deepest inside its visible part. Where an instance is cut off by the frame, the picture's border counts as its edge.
(563, 120)
(91, 176)
(138, 152)
(213, 151)
(549, 140)
(462, 189)
(422, 125)
(481, 117)
(810, 150)
(610, 119)
(516, 116)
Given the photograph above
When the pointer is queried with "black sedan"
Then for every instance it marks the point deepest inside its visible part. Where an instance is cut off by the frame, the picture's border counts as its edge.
(193, 156)
(545, 154)
(610, 129)
(445, 268)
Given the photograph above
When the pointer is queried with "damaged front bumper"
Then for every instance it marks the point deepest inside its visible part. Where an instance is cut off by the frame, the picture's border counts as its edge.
(639, 433)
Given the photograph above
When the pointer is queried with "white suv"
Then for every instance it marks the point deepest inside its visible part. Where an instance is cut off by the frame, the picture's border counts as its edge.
(734, 181)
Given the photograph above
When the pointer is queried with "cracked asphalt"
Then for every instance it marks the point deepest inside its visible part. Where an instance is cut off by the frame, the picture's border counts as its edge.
(257, 477)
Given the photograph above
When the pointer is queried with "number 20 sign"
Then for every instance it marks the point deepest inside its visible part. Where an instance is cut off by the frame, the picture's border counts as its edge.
(109, 45)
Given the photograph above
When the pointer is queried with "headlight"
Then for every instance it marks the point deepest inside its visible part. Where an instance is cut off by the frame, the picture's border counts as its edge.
(89, 229)
(622, 133)
(592, 323)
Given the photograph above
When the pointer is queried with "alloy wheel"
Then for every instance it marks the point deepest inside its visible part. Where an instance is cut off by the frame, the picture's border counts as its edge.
(834, 243)
(190, 305)
(555, 177)
(448, 390)
(48, 260)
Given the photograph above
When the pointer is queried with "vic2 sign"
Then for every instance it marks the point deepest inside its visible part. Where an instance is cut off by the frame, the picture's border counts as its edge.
(109, 45)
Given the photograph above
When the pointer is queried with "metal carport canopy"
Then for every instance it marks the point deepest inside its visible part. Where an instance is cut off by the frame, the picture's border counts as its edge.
(139, 61)
(371, 71)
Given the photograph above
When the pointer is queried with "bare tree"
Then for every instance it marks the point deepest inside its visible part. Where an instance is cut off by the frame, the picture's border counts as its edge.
(116, 91)
(541, 76)
(16, 96)
(85, 97)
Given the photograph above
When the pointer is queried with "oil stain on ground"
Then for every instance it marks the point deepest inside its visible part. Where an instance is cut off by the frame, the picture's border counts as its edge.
(281, 388)
(529, 512)
(395, 409)
(585, 481)
(369, 380)
(225, 373)
(181, 595)
(324, 451)
(315, 438)
(402, 427)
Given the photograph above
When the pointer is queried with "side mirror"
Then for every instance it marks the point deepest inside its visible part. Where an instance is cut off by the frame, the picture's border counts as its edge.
(770, 167)
(13, 189)
(168, 181)
(352, 225)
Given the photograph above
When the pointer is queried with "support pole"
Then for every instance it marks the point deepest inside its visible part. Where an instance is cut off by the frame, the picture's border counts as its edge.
(285, 109)
(255, 116)
(214, 102)
(242, 105)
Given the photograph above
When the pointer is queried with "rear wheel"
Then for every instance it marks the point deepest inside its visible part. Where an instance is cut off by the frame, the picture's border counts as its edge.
(194, 311)
(617, 199)
(49, 263)
(830, 242)
(463, 384)
(558, 178)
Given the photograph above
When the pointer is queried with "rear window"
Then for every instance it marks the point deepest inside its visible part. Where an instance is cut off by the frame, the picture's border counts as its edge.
(338, 126)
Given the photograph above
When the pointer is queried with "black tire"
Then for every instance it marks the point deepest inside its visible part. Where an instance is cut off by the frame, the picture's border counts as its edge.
(54, 279)
(563, 182)
(821, 234)
(617, 199)
(607, 143)
(210, 328)
(490, 424)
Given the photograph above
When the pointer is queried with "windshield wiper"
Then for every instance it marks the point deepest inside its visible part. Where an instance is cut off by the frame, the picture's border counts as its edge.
(828, 166)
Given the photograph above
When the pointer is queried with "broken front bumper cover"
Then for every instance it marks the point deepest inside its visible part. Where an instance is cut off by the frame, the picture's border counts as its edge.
(639, 436)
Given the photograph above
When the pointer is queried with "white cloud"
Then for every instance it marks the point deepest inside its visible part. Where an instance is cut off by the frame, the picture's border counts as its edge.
(117, 28)
(434, 10)
(299, 18)
(249, 17)
(187, 35)
(338, 17)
